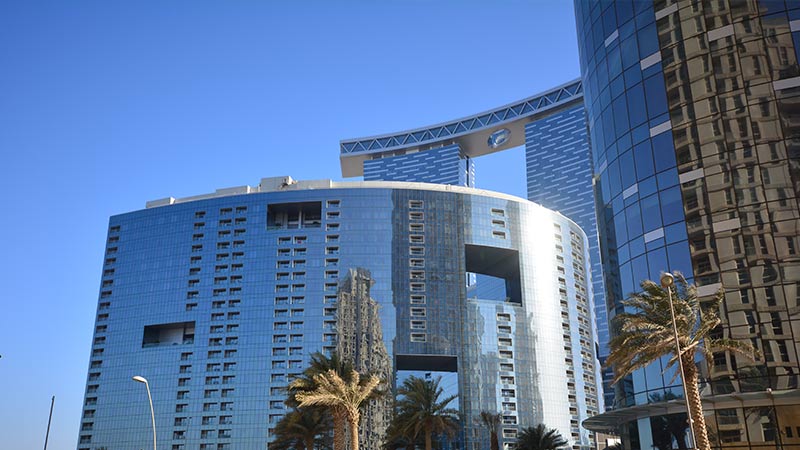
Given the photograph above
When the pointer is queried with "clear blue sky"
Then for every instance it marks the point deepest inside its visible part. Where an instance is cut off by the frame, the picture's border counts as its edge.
(107, 104)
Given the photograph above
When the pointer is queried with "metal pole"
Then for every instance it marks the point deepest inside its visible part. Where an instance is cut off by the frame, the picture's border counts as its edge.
(49, 420)
(152, 413)
(774, 418)
(667, 281)
(141, 379)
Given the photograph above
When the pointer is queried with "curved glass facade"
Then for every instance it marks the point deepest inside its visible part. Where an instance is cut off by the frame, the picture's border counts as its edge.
(219, 300)
(692, 112)
(551, 126)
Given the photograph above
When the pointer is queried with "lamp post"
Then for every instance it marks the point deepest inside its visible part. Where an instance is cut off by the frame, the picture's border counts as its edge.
(667, 282)
(142, 379)
(774, 418)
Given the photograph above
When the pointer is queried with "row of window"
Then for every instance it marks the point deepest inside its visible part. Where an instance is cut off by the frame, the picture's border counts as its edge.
(100, 337)
(507, 377)
(416, 227)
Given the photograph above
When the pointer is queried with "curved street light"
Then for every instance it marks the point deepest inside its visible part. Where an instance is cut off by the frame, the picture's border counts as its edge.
(667, 282)
(142, 379)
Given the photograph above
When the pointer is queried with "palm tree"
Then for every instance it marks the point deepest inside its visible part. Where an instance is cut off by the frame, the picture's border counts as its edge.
(299, 429)
(422, 410)
(646, 334)
(321, 364)
(399, 439)
(539, 438)
(344, 398)
(492, 423)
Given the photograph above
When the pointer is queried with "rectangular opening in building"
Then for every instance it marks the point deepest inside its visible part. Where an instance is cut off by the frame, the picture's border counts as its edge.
(168, 334)
(496, 273)
(283, 216)
(427, 363)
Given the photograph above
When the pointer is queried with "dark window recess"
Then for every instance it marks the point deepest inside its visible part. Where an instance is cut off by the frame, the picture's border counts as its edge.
(497, 271)
(282, 216)
(168, 334)
(427, 363)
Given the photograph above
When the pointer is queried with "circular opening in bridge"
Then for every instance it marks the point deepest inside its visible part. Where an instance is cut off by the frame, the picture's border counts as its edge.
(499, 137)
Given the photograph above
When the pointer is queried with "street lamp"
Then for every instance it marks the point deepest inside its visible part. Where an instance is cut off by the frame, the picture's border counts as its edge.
(667, 282)
(142, 379)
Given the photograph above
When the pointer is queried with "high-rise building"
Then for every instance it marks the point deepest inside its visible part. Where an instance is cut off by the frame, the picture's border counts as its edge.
(360, 341)
(552, 127)
(218, 300)
(693, 111)
(443, 165)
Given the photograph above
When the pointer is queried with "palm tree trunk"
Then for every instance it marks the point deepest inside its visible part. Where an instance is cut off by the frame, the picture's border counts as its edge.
(353, 417)
(339, 430)
(495, 443)
(695, 403)
(428, 440)
(309, 442)
(354, 432)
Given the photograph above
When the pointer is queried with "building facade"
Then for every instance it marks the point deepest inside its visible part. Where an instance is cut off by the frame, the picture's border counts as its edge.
(219, 300)
(552, 128)
(693, 116)
(443, 165)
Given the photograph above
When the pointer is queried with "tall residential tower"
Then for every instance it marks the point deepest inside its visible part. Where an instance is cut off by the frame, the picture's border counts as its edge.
(219, 300)
(552, 127)
(694, 112)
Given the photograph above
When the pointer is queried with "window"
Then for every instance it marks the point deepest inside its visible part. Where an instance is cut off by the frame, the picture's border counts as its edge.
(418, 337)
(509, 406)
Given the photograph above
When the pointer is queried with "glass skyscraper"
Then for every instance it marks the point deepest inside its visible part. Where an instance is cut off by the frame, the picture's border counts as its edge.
(677, 150)
(443, 165)
(552, 127)
(219, 300)
(693, 116)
